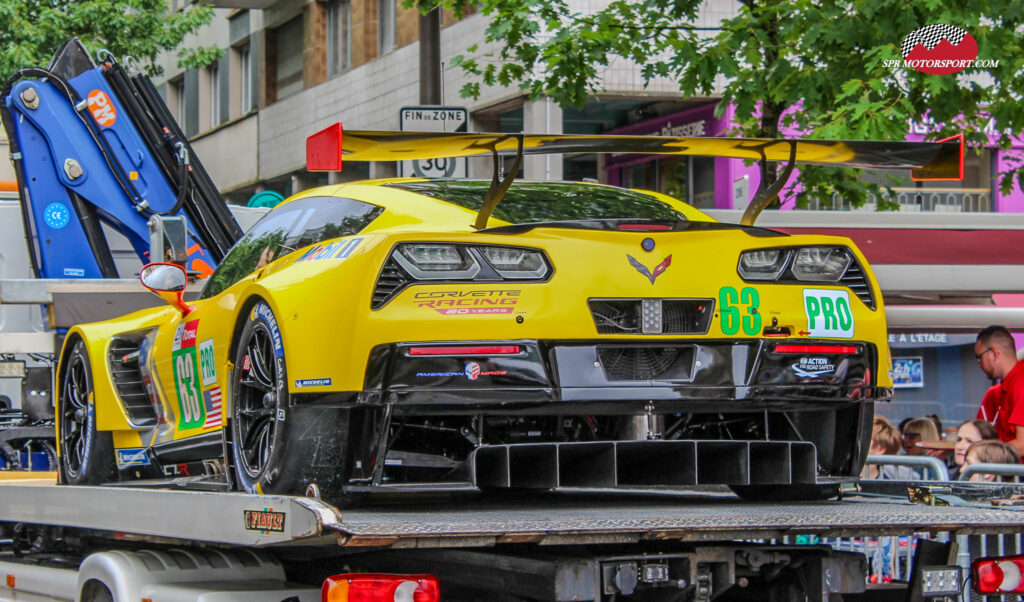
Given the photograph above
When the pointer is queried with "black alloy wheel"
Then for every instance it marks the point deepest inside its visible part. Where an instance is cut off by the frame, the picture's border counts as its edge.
(86, 454)
(274, 445)
(256, 402)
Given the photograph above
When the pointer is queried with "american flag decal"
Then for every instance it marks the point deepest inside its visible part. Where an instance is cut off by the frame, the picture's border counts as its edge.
(211, 399)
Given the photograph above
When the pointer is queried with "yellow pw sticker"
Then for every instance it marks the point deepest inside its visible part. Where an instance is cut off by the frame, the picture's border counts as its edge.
(828, 313)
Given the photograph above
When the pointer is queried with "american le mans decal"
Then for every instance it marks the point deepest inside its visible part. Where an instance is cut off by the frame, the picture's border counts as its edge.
(199, 404)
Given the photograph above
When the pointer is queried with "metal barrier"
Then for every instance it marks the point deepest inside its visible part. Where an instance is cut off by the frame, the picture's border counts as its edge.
(967, 200)
(936, 468)
(1003, 470)
(891, 556)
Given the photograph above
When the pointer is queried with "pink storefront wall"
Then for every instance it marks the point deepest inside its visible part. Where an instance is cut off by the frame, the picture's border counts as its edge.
(730, 173)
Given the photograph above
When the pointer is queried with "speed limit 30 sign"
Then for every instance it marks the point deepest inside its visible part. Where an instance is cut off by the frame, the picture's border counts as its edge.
(434, 119)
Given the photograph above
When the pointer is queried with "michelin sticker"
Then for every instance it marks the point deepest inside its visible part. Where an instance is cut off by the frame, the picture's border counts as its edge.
(262, 310)
(312, 382)
(828, 313)
(133, 456)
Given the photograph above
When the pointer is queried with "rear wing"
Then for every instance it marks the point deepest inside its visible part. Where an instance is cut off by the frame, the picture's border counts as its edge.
(326, 150)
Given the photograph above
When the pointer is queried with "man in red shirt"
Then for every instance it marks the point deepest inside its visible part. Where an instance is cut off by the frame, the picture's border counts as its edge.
(1003, 404)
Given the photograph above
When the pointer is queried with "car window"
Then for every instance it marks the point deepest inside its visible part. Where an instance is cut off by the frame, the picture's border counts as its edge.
(530, 202)
(289, 228)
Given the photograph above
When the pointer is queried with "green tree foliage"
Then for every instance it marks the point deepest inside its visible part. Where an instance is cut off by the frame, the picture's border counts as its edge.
(32, 30)
(829, 58)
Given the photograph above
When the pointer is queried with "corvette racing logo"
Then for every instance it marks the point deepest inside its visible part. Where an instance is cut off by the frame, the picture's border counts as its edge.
(939, 50)
(652, 275)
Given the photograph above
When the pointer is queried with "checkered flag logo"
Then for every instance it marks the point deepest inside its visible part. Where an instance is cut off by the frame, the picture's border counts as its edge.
(929, 36)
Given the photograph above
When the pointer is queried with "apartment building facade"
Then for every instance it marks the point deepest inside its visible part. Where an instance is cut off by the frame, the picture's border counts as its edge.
(292, 67)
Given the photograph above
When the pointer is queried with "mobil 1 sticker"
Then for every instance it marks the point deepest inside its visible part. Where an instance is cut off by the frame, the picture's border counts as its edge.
(828, 313)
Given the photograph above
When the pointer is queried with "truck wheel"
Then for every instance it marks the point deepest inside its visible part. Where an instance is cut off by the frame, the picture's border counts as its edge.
(86, 454)
(277, 447)
(785, 493)
(94, 591)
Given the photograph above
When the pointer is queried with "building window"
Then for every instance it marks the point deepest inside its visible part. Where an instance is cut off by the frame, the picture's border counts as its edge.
(288, 39)
(213, 73)
(339, 49)
(386, 25)
(245, 73)
(177, 96)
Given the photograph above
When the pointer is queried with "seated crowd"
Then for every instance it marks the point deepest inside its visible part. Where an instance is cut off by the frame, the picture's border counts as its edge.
(975, 442)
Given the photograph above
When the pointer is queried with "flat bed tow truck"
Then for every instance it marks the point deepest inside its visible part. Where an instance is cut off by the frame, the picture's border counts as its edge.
(134, 543)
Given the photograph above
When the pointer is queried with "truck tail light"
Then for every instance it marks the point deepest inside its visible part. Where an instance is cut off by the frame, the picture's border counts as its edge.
(998, 575)
(374, 587)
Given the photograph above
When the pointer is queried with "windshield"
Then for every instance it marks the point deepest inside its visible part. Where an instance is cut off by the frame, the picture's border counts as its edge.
(531, 202)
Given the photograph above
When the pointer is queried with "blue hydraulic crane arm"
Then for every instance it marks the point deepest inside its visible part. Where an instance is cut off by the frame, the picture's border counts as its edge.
(92, 144)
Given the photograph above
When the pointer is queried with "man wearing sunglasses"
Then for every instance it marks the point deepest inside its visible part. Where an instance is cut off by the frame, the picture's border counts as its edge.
(1003, 404)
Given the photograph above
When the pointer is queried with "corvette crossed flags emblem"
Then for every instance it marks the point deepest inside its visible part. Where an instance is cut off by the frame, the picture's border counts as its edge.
(651, 274)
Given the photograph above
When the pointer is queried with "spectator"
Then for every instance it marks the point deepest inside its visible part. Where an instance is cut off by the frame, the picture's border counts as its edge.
(916, 431)
(971, 431)
(1003, 404)
(942, 453)
(885, 440)
(990, 451)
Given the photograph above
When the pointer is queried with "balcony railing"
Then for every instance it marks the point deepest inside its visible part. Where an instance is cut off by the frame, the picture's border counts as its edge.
(250, 4)
(970, 200)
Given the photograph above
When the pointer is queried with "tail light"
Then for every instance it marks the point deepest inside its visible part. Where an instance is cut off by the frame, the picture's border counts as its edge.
(413, 263)
(437, 262)
(514, 263)
(998, 575)
(372, 587)
(443, 261)
(816, 349)
(800, 264)
(821, 264)
(644, 227)
(763, 264)
(466, 350)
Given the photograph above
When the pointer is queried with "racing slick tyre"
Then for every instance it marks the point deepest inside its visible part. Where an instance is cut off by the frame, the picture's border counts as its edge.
(277, 446)
(785, 493)
(86, 454)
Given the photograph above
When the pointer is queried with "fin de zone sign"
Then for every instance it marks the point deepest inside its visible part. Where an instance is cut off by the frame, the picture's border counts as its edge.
(434, 119)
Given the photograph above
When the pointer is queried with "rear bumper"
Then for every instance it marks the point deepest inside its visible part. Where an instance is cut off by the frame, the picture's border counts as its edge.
(604, 376)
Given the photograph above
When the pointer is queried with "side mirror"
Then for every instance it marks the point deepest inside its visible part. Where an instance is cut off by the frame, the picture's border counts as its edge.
(167, 281)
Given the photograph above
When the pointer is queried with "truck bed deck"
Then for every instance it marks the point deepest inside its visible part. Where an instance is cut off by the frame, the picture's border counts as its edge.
(462, 520)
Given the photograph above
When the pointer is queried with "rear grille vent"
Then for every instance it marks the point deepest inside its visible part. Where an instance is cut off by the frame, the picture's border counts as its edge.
(391, 281)
(652, 316)
(854, 279)
(646, 363)
(126, 371)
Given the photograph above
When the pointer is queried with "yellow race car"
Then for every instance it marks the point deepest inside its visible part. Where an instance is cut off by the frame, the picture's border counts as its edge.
(367, 336)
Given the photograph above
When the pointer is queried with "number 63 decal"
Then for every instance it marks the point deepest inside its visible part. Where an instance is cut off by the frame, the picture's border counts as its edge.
(730, 303)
